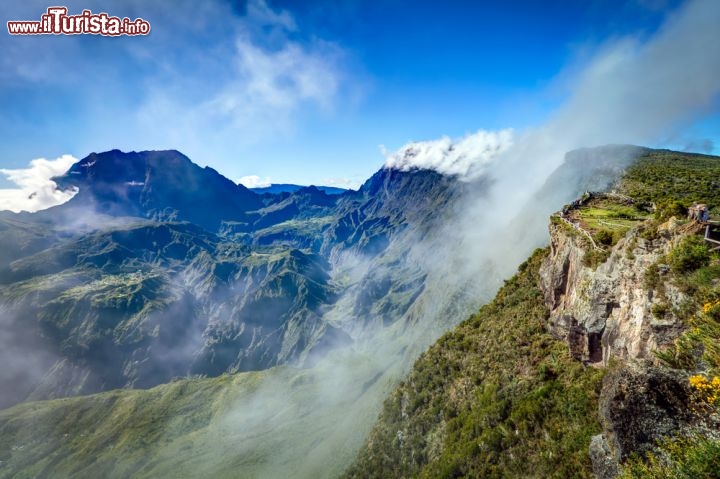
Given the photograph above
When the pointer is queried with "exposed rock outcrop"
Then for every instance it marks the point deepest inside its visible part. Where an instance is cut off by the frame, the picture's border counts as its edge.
(607, 312)
(604, 460)
(639, 405)
(613, 315)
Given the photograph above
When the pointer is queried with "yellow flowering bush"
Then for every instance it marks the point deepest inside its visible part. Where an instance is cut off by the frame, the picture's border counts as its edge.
(708, 390)
(712, 308)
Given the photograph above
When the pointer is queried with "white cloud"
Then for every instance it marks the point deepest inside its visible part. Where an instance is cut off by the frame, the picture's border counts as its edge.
(269, 86)
(636, 90)
(254, 181)
(35, 190)
(347, 183)
(464, 157)
(255, 84)
(211, 79)
(263, 15)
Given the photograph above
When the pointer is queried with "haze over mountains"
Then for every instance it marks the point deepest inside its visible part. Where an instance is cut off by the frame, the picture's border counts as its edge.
(159, 268)
(315, 304)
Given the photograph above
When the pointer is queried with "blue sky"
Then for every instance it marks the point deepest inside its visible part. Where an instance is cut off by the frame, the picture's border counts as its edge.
(307, 91)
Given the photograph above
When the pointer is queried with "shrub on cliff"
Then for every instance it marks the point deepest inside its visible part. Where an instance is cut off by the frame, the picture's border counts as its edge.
(668, 208)
(692, 253)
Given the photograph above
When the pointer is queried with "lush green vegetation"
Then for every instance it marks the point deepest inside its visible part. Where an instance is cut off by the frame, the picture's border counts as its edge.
(669, 178)
(695, 270)
(87, 436)
(606, 220)
(594, 258)
(609, 220)
(234, 425)
(691, 254)
(498, 396)
(688, 458)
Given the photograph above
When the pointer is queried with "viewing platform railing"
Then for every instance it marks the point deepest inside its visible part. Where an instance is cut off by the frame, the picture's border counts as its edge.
(713, 242)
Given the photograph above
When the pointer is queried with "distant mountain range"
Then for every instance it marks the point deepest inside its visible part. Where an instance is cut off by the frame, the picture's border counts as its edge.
(160, 268)
(289, 188)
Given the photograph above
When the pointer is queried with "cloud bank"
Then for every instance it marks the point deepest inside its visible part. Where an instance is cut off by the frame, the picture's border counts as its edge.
(35, 190)
(636, 90)
(462, 157)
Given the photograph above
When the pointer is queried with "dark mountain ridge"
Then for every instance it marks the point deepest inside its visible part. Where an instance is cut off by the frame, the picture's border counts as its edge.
(159, 185)
(279, 188)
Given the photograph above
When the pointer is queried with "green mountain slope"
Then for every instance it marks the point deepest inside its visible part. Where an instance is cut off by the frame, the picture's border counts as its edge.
(308, 422)
(497, 396)
(140, 304)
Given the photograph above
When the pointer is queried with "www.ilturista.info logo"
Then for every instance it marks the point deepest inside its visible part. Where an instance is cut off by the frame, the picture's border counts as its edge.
(57, 22)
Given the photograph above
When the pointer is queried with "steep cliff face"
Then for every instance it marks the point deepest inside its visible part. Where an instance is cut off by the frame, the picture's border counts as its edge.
(607, 312)
(618, 314)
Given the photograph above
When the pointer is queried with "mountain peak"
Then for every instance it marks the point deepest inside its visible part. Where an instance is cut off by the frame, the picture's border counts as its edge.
(163, 184)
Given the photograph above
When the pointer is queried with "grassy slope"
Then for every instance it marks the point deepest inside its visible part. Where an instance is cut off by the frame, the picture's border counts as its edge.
(242, 425)
(663, 176)
(496, 396)
(606, 215)
(111, 433)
